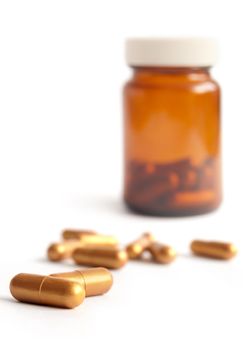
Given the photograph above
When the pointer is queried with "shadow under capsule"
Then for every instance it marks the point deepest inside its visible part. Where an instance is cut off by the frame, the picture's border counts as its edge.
(113, 205)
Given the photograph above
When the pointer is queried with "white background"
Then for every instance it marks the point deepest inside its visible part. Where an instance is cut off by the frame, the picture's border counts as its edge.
(61, 72)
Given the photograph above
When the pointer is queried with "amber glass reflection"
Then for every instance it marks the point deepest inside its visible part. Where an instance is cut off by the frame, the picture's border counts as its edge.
(172, 141)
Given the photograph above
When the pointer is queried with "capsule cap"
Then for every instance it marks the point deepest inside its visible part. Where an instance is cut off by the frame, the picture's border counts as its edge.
(95, 281)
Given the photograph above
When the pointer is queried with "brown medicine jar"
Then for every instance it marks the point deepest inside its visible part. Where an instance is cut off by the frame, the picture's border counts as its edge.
(172, 127)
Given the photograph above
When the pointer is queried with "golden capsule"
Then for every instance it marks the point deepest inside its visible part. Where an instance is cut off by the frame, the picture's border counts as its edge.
(162, 254)
(136, 248)
(95, 281)
(97, 256)
(76, 234)
(63, 250)
(90, 237)
(46, 290)
(213, 249)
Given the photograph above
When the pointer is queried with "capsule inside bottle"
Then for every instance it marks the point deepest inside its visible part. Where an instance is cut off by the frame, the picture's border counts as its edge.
(136, 248)
(161, 253)
(97, 256)
(46, 290)
(95, 281)
(213, 249)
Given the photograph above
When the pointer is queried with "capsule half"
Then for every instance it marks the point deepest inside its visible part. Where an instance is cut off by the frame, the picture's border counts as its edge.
(95, 281)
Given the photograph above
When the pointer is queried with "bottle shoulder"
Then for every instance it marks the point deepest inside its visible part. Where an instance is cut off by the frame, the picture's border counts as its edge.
(192, 82)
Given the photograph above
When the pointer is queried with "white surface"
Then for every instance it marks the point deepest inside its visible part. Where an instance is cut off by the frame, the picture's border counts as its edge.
(176, 52)
(61, 70)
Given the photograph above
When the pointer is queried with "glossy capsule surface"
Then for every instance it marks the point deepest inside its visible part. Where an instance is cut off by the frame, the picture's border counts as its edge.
(76, 234)
(46, 290)
(136, 248)
(95, 281)
(161, 253)
(63, 250)
(97, 256)
(90, 237)
(214, 249)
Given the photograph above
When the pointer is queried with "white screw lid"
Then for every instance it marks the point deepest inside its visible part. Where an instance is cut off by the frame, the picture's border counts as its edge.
(171, 52)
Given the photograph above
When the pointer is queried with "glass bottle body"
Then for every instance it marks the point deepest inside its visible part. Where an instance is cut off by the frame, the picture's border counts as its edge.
(172, 141)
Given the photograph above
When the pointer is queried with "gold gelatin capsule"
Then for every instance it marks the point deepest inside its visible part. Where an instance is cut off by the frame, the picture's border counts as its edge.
(97, 256)
(90, 237)
(136, 248)
(46, 290)
(62, 250)
(213, 249)
(76, 234)
(95, 281)
(162, 254)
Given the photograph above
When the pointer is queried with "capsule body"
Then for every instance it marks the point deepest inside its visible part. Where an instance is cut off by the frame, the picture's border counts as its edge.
(136, 248)
(63, 250)
(95, 281)
(213, 249)
(46, 290)
(162, 254)
(90, 237)
(105, 257)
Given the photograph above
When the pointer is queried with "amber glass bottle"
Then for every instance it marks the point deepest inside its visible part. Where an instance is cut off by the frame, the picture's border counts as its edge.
(172, 128)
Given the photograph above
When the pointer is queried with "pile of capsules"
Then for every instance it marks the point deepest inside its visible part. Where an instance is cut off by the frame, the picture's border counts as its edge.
(102, 252)
(90, 248)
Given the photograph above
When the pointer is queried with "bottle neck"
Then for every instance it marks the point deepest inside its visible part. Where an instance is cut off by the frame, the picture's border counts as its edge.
(181, 73)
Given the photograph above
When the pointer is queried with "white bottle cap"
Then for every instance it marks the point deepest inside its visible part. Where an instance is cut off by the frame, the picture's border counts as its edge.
(171, 52)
